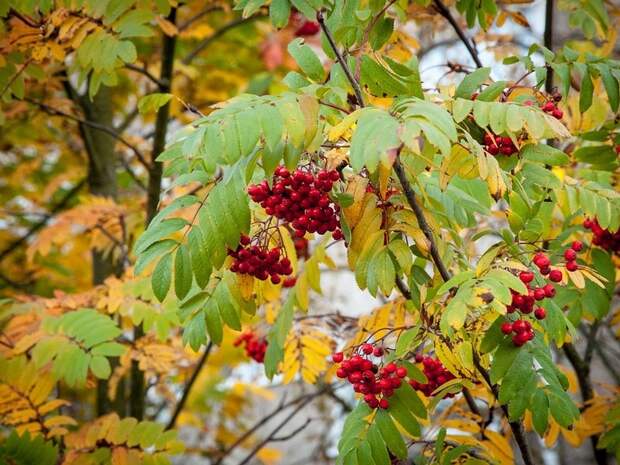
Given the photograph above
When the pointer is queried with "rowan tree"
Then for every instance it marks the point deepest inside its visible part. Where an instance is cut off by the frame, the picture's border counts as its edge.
(182, 181)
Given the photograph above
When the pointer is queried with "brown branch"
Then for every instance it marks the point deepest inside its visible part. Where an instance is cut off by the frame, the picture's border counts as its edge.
(548, 41)
(515, 426)
(101, 127)
(343, 63)
(188, 387)
(142, 70)
(217, 34)
(444, 11)
(40, 224)
(280, 408)
(277, 429)
(419, 214)
(582, 370)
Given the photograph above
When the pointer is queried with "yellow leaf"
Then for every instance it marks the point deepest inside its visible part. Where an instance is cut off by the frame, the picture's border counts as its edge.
(167, 27)
(338, 130)
(356, 187)
(577, 278)
(52, 405)
(60, 420)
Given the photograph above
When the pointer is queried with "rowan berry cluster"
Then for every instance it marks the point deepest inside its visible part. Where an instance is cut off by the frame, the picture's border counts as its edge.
(435, 373)
(301, 199)
(524, 303)
(260, 262)
(570, 255)
(496, 145)
(603, 237)
(522, 330)
(368, 377)
(255, 346)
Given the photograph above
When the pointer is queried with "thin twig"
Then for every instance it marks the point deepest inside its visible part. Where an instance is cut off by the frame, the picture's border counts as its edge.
(188, 386)
(419, 214)
(101, 127)
(444, 11)
(144, 71)
(276, 430)
(282, 406)
(224, 29)
(35, 227)
(341, 60)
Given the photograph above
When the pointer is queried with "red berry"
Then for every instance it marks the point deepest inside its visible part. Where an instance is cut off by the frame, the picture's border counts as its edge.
(539, 293)
(526, 276)
(520, 339)
(341, 373)
(555, 276)
(577, 246)
(549, 290)
(570, 254)
(541, 260)
(401, 372)
(520, 326)
(337, 357)
(367, 348)
(540, 313)
(419, 358)
(572, 266)
(506, 328)
(384, 404)
(390, 367)
(378, 351)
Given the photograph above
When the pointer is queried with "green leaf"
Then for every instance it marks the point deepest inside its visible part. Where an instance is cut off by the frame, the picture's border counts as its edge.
(409, 397)
(182, 272)
(377, 446)
(153, 102)
(382, 267)
(508, 279)
(307, 60)
(162, 275)
(543, 153)
(540, 411)
(502, 360)
(586, 92)
(279, 12)
(492, 91)
(611, 86)
(390, 434)
(471, 82)
(200, 260)
(153, 251)
(400, 412)
(100, 367)
(374, 136)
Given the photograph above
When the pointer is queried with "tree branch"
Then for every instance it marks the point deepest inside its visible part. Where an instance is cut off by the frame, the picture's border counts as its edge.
(548, 41)
(188, 386)
(142, 70)
(223, 30)
(93, 124)
(582, 370)
(444, 11)
(419, 214)
(277, 429)
(343, 63)
(41, 223)
(303, 399)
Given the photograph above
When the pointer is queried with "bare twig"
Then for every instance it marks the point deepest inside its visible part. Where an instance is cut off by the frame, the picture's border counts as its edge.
(223, 30)
(282, 406)
(144, 71)
(343, 63)
(35, 227)
(444, 11)
(188, 386)
(101, 127)
(419, 214)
